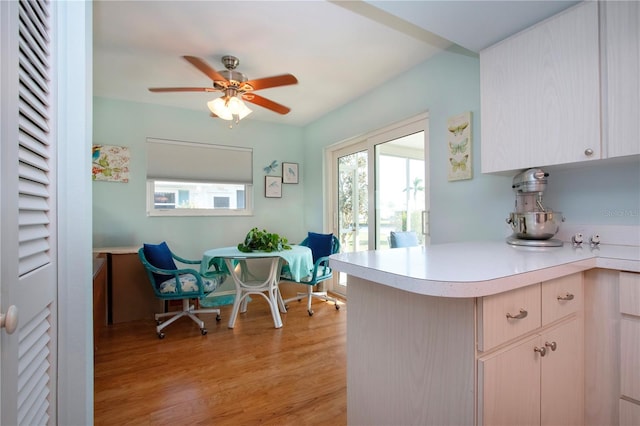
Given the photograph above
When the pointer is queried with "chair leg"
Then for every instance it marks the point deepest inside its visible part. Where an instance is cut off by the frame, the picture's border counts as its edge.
(187, 310)
(311, 294)
(323, 295)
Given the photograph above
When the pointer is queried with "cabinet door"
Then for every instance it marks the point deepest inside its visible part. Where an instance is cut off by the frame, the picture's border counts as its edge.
(509, 386)
(540, 94)
(630, 293)
(562, 388)
(621, 62)
(630, 357)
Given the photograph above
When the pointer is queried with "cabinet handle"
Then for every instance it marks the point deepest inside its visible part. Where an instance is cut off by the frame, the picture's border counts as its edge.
(521, 315)
(566, 296)
(553, 345)
(588, 152)
(542, 351)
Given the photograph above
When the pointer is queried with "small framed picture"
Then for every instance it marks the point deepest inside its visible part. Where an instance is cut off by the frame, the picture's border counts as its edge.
(273, 186)
(289, 172)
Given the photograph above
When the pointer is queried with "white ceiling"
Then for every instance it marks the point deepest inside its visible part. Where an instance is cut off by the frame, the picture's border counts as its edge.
(337, 50)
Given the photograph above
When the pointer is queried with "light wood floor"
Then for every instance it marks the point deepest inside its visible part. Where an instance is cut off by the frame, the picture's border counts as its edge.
(253, 374)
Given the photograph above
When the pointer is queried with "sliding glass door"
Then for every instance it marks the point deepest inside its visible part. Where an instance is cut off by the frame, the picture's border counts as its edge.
(353, 196)
(400, 188)
(380, 184)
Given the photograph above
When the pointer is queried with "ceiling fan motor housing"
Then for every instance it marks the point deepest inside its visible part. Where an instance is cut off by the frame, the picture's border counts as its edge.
(233, 76)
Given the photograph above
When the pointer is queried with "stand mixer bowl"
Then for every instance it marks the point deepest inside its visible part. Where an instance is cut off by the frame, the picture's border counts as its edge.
(535, 225)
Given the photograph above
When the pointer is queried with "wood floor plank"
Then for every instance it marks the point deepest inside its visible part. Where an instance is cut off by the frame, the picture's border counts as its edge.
(252, 374)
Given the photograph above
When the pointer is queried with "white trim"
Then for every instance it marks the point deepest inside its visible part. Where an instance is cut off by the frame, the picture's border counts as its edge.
(73, 64)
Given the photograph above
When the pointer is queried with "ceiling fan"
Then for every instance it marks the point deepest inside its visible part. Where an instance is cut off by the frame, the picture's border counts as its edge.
(235, 86)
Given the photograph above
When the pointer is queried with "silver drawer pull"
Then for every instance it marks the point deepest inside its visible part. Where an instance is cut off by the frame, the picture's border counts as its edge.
(522, 314)
(566, 296)
(542, 350)
(553, 345)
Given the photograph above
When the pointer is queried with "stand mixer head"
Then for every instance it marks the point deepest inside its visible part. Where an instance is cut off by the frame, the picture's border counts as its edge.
(531, 222)
(529, 186)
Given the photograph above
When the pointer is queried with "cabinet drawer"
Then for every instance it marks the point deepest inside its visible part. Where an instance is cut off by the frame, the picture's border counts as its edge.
(630, 293)
(561, 297)
(630, 358)
(496, 320)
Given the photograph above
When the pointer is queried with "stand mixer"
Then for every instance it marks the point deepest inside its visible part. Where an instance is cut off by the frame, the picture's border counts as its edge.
(533, 225)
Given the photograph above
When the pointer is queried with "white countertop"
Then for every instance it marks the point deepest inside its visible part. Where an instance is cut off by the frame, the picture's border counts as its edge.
(480, 268)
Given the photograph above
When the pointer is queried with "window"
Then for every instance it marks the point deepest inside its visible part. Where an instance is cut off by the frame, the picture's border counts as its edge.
(193, 179)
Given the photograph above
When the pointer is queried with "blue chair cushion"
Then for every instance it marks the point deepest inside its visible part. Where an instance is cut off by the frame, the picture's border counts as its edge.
(159, 256)
(321, 245)
(404, 239)
(189, 284)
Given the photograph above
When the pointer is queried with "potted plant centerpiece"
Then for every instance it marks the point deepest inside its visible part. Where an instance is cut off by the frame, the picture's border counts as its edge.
(257, 240)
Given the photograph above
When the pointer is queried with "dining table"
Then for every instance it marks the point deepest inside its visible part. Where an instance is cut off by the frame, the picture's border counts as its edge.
(296, 263)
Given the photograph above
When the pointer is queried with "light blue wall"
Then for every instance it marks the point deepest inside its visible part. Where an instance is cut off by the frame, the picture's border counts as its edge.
(601, 193)
(119, 209)
(446, 85)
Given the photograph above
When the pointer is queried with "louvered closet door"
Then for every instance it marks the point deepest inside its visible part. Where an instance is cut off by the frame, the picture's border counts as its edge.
(27, 214)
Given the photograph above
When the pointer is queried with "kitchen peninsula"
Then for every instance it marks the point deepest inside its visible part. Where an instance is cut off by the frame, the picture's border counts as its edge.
(485, 332)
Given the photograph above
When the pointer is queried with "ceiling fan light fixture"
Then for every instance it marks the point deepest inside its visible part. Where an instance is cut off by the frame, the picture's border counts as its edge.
(228, 107)
(244, 110)
(218, 107)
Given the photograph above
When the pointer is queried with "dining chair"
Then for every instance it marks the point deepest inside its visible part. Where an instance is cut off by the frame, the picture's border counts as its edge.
(322, 246)
(172, 283)
(403, 239)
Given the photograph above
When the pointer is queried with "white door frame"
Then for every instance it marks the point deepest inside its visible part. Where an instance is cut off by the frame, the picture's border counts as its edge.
(74, 62)
(367, 142)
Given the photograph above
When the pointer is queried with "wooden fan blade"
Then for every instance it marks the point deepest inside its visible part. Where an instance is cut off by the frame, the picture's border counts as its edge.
(265, 103)
(183, 89)
(275, 81)
(205, 68)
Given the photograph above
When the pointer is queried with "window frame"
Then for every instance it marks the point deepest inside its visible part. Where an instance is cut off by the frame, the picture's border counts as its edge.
(180, 162)
(154, 212)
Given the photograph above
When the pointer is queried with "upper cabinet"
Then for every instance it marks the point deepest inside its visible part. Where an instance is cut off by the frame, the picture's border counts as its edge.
(621, 72)
(541, 90)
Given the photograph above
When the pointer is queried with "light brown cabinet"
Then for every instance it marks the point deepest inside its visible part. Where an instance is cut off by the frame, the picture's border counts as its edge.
(620, 22)
(566, 90)
(630, 348)
(129, 293)
(99, 298)
(540, 94)
(534, 374)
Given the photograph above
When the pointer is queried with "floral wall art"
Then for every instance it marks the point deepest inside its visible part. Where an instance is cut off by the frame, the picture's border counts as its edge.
(459, 143)
(110, 163)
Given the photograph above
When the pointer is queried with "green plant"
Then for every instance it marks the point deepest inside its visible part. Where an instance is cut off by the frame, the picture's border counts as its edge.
(257, 240)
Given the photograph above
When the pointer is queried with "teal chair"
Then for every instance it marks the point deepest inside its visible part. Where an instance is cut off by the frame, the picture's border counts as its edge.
(322, 246)
(172, 283)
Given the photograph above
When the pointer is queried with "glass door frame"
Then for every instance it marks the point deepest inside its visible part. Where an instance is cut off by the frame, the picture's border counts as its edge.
(367, 142)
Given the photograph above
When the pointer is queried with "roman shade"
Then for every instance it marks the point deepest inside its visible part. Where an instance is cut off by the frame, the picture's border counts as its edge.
(198, 162)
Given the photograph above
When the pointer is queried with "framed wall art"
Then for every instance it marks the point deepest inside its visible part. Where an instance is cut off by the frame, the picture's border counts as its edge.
(290, 173)
(273, 187)
(110, 163)
(459, 147)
